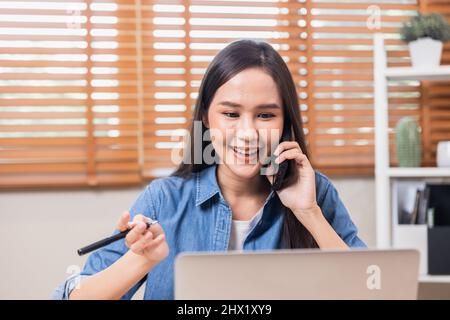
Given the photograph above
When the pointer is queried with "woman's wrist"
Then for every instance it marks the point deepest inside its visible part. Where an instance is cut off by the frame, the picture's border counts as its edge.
(114, 281)
(140, 262)
(324, 234)
(310, 217)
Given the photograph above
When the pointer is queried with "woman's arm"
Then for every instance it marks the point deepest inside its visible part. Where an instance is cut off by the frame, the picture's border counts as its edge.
(300, 197)
(324, 234)
(147, 248)
(114, 281)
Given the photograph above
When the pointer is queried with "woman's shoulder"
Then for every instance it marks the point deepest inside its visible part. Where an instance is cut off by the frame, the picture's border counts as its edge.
(322, 180)
(324, 186)
(171, 184)
(164, 192)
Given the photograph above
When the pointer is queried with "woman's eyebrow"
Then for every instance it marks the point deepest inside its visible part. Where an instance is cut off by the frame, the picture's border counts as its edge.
(260, 106)
(268, 106)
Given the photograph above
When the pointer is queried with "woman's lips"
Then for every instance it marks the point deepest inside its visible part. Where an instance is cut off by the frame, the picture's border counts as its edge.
(245, 154)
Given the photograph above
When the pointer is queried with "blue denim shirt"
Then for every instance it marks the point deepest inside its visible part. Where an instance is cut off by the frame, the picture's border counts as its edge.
(196, 217)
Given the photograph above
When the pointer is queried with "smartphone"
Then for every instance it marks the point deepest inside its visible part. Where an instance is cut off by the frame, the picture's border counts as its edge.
(282, 168)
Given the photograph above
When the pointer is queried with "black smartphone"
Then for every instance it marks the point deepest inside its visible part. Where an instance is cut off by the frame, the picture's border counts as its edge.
(282, 168)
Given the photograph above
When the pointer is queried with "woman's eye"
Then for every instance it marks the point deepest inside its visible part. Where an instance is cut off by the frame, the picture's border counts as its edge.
(266, 115)
(231, 114)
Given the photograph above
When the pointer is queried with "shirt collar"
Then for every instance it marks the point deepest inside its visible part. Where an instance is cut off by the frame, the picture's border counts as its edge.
(207, 186)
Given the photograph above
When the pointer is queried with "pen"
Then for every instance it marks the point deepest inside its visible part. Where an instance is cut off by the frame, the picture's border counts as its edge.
(108, 240)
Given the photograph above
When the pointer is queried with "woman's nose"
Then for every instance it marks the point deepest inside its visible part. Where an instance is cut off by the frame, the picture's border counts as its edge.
(246, 131)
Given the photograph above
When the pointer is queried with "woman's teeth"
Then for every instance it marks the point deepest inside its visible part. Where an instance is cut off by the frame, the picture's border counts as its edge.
(245, 153)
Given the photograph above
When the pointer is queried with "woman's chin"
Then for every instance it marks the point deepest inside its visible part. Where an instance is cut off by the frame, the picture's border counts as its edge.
(245, 171)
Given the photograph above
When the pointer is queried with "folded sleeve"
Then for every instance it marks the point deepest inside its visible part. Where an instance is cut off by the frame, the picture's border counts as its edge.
(63, 291)
(106, 256)
(337, 215)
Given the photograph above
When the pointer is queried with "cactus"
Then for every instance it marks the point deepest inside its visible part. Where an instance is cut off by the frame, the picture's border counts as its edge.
(408, 142)
(432, 25)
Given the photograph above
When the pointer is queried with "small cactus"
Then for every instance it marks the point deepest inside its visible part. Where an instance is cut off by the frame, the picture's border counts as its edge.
(431, 25)
(408, 142)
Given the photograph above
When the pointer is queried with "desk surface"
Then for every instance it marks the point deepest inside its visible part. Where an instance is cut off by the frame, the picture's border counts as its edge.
(434, 279)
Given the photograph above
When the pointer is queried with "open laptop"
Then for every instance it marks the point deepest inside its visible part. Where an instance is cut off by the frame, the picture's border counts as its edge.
(298, 274)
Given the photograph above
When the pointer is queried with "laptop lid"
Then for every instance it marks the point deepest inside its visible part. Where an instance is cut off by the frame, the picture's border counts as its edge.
(298, 274)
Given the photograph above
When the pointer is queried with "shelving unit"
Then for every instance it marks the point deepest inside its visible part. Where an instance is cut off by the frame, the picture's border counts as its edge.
(387, 227)
(425, 172)
(408, 73)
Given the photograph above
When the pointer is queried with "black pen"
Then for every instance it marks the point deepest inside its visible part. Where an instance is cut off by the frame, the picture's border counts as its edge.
(106, 241)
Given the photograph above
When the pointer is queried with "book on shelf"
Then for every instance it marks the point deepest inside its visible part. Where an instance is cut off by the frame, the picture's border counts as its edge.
(414, 204)
(423, 205)
(415, 211)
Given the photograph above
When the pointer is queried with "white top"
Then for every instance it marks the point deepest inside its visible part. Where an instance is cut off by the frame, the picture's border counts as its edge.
(239, 232)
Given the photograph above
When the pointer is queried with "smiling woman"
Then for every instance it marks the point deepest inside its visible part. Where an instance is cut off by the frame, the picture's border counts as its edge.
(248, 90)
(240, 122)
(228, 204)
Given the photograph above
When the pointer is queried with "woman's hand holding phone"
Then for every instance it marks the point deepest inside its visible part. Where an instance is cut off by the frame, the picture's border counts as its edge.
(149, 243)
(299, 196)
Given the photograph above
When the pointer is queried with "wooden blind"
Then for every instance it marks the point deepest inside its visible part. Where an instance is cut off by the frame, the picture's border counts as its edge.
(435, 95)
(180, 40)
(327, 46)
(342, 136)
(94, 92)
(68, 93)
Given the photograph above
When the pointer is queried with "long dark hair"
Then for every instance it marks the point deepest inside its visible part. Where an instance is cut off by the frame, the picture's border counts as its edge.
(230, 61)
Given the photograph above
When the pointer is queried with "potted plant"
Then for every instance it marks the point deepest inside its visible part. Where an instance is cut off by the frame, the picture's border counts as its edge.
(425, 35)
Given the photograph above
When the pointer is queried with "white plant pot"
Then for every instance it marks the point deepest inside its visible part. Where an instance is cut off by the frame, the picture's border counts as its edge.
(425, 52)
(443, 154)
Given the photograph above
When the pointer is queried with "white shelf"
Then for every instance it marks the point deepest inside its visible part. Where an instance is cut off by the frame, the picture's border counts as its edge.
(409, 73)
(389, 233)
(423, 172)
(434, 279)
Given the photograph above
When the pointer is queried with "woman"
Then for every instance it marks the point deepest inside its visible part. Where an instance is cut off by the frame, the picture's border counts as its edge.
(247, 99)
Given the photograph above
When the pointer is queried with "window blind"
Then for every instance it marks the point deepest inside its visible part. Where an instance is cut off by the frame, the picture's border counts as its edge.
(101, 92)
(69, 107)
(436, 96)
(342, 79)
(327, 46)
(180, 40)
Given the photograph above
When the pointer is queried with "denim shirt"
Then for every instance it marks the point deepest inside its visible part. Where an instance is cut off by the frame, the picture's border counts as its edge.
(196, 217)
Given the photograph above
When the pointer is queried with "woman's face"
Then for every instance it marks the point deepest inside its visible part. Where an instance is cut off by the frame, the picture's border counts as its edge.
(245, 117)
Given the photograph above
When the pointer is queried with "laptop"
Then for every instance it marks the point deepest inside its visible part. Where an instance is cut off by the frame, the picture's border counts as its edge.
(298, 274)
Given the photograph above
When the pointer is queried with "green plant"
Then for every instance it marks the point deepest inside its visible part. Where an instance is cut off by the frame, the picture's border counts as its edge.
(431, 25)
(408, 142)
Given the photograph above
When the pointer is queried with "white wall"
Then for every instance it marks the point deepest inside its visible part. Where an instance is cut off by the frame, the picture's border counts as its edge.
(41, 230)
(358, 196)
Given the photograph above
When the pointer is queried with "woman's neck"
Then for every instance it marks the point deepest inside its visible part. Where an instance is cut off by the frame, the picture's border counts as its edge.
(235, 187)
